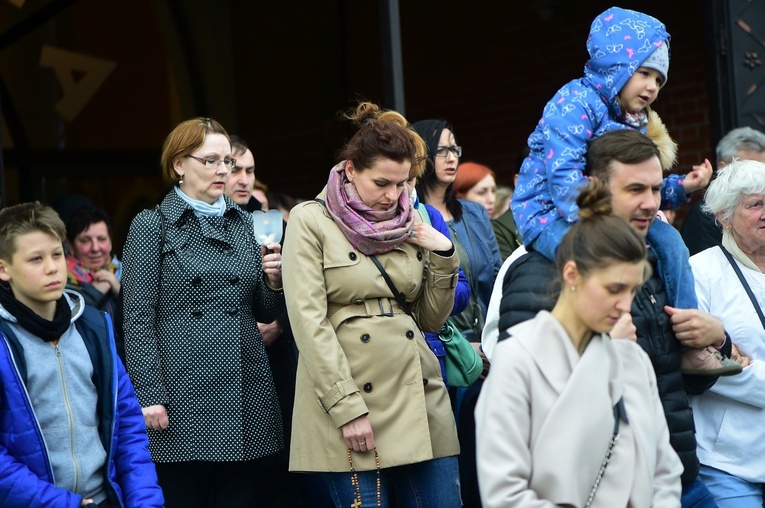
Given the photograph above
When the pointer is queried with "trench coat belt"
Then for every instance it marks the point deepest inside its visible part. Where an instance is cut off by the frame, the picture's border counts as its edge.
(366, 308)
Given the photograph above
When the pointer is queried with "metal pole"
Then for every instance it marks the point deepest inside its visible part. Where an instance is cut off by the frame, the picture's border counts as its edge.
(392, 59)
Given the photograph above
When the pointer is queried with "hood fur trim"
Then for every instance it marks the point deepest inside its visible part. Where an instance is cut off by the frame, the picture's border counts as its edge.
(658, 133)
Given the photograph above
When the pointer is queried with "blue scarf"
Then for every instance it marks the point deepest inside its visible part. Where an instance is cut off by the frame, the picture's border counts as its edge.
(202, 209)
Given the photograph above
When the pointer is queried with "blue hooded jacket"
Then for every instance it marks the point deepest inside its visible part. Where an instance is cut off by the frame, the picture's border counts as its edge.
(544, 201)
(27, 475)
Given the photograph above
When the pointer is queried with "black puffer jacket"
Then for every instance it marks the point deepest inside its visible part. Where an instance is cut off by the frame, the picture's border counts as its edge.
(529, 287)
(657, 339)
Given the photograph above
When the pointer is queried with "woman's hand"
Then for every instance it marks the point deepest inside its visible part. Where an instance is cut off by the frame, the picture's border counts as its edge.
(155, 417)
(624, 328)
(739, 356)
(358, 434)
(486, 362)
(272, 264)
(426, 236)
(103, 277)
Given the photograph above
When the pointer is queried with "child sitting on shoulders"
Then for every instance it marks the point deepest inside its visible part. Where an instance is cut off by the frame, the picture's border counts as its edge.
(629, 64)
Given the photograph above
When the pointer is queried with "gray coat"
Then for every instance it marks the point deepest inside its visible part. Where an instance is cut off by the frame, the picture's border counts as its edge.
(191, 337)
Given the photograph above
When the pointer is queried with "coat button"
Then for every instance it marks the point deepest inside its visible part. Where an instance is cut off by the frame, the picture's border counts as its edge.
(196, 281)
(409, 334)
(368, 387)
(365, 338)
(425, 382)
(228, 252)
(359, 302)
(419, 256)
(352, 255)
(233, 312)
(234, 281)
(197, 314)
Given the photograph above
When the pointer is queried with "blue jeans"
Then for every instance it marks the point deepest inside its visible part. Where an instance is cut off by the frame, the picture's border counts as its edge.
(429, 484)
(696, 495)
(730, 491)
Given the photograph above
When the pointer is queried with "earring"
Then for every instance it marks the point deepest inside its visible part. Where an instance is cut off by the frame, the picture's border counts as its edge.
(180, 182)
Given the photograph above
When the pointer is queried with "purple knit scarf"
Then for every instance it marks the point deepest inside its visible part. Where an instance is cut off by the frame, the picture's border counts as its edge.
(370, 231)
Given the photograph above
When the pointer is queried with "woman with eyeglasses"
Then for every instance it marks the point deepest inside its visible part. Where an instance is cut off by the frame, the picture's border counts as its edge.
(476, 245)
(195, 284)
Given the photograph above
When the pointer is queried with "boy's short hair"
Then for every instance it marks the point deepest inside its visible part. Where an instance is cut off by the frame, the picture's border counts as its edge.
(27, 218)
(626, 146)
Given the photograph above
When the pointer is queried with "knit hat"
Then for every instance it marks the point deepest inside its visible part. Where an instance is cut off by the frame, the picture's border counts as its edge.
(659, 60)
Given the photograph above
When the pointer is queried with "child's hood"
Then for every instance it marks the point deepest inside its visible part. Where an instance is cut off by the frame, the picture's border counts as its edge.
(620, 40)
(74, 299)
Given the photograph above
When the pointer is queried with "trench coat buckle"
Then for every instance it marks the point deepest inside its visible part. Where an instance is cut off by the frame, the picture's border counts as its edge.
(383, 312)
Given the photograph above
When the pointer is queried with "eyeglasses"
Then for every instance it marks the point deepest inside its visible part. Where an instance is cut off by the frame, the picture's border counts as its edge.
(211, 163)
(443, 151)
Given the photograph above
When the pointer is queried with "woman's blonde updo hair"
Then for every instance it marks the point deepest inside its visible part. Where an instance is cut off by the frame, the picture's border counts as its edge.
(383, 134)
(600, 239)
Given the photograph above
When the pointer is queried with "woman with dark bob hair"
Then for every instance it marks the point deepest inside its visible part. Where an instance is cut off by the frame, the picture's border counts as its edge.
(373, 409)
(196, 283)
(92, 269)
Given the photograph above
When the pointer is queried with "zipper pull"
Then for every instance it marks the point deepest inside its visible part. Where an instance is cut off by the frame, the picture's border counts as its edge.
(653, 300)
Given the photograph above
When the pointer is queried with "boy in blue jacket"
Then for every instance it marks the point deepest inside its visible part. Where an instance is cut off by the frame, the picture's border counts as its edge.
(71, 429)
(628, 65)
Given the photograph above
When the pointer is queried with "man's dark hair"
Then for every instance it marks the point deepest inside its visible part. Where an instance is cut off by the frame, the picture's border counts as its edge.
(626, 146)
(238, 145)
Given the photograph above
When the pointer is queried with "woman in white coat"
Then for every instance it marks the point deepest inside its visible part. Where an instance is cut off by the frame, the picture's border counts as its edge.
(562, 396)
(728, 418)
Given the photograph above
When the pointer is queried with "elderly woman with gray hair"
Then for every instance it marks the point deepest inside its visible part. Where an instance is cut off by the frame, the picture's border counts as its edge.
(730, 284)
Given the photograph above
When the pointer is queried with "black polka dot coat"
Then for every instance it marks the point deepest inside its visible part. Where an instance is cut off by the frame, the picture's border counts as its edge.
(191, 337)
(360, 352)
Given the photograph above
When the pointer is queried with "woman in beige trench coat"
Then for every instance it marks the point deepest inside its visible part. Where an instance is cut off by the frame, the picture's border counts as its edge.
(562, 396)
(369, 394)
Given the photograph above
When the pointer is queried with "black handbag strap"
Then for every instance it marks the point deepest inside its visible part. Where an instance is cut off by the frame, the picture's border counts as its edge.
(398, 296)
(744, 283)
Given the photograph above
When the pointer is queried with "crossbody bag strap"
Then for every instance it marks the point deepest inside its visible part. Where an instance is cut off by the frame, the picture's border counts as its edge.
(620, 413)
(744, 283)
(398, 296)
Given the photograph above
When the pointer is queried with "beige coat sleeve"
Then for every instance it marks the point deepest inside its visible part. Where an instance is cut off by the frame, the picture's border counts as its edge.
(437, 298)
(306, 295)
